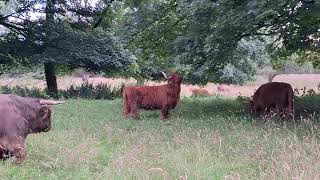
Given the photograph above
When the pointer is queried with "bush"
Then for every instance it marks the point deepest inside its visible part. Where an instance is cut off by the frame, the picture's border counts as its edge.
(231, 74)
(25, 92)
(307, 104)
(86, 91)
(89, 91)
(245, 102)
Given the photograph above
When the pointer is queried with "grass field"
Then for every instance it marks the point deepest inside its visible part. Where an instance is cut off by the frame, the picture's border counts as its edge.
(205, 138)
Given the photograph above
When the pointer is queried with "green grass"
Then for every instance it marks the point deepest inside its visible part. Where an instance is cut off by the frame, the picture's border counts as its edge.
(205, 138)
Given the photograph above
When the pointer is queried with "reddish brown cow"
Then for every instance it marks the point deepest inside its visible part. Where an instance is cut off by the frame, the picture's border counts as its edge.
(20, 116)
(199, 92)
(276, 96)
(163, 97)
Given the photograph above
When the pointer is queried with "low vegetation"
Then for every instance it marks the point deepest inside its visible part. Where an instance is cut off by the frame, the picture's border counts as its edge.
(85, 90)
(210, 138)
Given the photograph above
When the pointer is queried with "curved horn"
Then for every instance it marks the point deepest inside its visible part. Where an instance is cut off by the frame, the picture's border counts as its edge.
(164, 74)
(50, 102)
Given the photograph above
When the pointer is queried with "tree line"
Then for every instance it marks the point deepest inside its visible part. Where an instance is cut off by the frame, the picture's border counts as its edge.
(204, 40)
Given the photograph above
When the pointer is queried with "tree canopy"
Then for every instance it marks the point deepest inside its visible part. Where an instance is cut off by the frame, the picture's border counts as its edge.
(59, 32)
(202, 37)
(205, 40)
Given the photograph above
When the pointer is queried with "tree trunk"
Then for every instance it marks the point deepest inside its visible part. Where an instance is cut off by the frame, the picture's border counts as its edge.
(49, 67)
(272, 76)
(50, 72)
(140, 82)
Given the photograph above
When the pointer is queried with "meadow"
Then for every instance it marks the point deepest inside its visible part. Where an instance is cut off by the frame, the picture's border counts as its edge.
(205, 138)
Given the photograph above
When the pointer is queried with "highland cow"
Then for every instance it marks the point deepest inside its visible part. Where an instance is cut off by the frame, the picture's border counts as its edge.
(276, 96)
(164, 97)
(199, 92)
(20, 116)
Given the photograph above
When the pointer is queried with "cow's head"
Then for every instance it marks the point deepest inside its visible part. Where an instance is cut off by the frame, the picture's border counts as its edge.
(42, 121)
(173, 78)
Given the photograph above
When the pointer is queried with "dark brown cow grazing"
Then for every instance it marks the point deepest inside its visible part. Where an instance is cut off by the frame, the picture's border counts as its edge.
(163, 97)
(276, 96)
(20, 116)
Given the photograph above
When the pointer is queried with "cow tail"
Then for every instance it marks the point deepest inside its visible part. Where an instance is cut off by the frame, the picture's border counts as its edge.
(124, 100)
(124, 94)
(122, 88)
(291, 102)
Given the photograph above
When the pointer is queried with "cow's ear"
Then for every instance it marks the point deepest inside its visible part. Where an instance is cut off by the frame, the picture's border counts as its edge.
(170, 79)
(44, 112)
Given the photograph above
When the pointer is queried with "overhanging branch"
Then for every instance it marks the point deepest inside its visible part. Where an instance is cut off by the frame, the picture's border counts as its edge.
(11, 26)
(103, 14)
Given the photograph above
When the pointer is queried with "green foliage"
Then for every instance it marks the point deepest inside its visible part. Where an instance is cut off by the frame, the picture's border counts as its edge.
(68, 41)
(297, 29)
(307, 105)
(25, 92)
(235, 75)
(200, 38)
(85, 91)
(89, 91)
(206, 41)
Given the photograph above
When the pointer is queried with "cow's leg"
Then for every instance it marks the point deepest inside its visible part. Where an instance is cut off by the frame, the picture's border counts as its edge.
(289, 112)
(292, 113)
(126, 109)
(283, 111)
(126, 106)
(256, 111)
(18, 150)
(4, 153)
(135, 110)
(164, 113)
(136, 115)
(20, 154)
(277, 109)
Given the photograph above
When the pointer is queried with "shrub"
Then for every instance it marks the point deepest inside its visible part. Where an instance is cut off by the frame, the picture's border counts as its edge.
(89, 91)
(305, 92)
(245, 102)
(232, 75)
(23, 91)
(307, 104)
(86, 91)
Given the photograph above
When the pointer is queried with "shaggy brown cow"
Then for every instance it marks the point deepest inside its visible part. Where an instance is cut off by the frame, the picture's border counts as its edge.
(276, 96)
(20, 116)
(199, 92)
(163, 97)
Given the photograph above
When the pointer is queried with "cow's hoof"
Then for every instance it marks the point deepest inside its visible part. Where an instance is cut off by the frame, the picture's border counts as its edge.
(18, 161)
(164, 119)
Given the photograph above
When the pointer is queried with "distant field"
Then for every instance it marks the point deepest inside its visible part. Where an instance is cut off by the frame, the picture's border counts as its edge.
(310, 81)
(205, 138)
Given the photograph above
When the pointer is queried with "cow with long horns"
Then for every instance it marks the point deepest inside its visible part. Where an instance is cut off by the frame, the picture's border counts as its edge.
(164, 97)
(20, 116)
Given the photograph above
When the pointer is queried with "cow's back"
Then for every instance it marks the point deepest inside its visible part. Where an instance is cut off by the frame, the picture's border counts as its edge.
(14, 112)
(273, 93)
